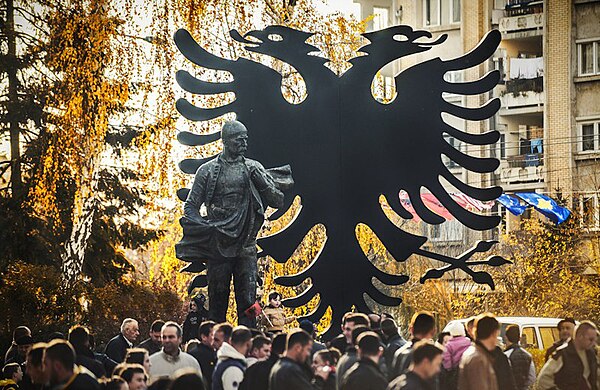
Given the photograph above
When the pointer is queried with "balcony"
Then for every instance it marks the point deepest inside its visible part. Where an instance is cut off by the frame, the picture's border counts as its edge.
(522, 96)
(523, 19)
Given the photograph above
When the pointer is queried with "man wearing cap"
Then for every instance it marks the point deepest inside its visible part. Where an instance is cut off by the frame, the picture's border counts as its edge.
(565, 332)
(235, 191)
(24, 344)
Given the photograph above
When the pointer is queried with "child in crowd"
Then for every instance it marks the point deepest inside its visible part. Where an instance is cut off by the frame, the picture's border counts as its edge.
(273, 316)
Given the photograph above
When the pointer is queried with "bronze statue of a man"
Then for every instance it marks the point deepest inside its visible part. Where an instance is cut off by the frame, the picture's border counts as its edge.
(235, 191)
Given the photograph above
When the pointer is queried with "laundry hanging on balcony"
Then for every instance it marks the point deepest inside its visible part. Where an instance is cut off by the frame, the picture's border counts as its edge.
(526, 68)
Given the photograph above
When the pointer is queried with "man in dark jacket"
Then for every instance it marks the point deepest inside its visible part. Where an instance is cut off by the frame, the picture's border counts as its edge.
(116, 349)
(348, 359)
(59, 362)
(574, 365)
(521, 361)
(422, 327)
(565, 328)
(79, 337)
(194, 318)
(504, 374)
(365, 373)
(291, 371)
(392, 339)
(427, 361)
(349, 322)
(153, 343)
(205, 353)
(12, 353)
(257, 375)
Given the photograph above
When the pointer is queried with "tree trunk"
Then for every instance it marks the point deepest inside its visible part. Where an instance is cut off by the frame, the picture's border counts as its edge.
(15, 146)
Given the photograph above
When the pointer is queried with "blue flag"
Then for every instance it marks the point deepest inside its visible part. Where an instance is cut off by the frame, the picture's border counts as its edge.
(546, 206)
(512, 204)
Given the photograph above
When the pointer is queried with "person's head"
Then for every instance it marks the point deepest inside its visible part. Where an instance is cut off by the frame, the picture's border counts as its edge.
(171, 338)
(422, 325)
(130, 329)
(389, 328)
(114, 383)
(369, 346)
(261, 347)
(35, 364)
(427, 359)
(375, 320)
(24, 344)
(512, 334)
(185, 379)
(586, 335)
(278, 346)
(79, 336)
(308, 327)
(59, 361)
(135, 376)
(323, 358)
(193, 306)
(487, 329)
(139, 356)
(566, 327)
(457, 329)
(470, 328)
(12, 371)
(241, 339)
(357, 331)
(154, 333)
(191, 345)
(274, 299)
(352, 320)
(298, 346)
(235, 138)
(443, 338)
(222, 334)
(163, 383)
(20, 331)
(206, 333)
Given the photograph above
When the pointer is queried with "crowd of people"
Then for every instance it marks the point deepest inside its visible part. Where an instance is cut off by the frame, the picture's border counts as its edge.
(370, 353)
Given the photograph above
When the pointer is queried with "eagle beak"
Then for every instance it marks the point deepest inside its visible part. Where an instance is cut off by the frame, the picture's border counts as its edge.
(239, 38)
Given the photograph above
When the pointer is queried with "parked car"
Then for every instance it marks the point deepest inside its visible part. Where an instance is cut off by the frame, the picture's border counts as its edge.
(537, 332)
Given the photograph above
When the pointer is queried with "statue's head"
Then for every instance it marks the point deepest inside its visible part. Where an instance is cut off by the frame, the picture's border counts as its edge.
(235, 137)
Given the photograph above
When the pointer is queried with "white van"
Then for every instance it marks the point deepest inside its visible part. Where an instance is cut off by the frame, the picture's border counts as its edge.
(537, 332)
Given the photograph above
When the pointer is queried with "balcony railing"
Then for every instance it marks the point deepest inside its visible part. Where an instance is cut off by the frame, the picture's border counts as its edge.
(524, 7)
(525, 160)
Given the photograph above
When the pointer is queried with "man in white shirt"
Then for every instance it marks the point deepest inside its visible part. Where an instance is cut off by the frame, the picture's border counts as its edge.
(573, 365)
(170, 359)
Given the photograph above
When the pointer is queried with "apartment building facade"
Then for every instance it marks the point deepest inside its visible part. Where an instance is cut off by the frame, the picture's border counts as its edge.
(549, 119)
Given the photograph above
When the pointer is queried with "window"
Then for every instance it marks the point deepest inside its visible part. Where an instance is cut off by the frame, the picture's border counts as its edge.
(502, 146)
(441, 12)
(588, 54)
(587, 204)
(431, 9)
(456, 145)
(549, 336)
(589, 136)
(528, 338)
(381, 17)
(455, 11)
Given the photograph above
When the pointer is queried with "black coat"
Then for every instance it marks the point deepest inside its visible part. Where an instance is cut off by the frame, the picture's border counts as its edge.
(409, 381)
(207, 358)
(85, 357)
(83, 382)
(340, 343)
(256, 376)
(116, 349)
(504, 375)
(364, 374)
(286, 374)
(394, 343)
(150, 346)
